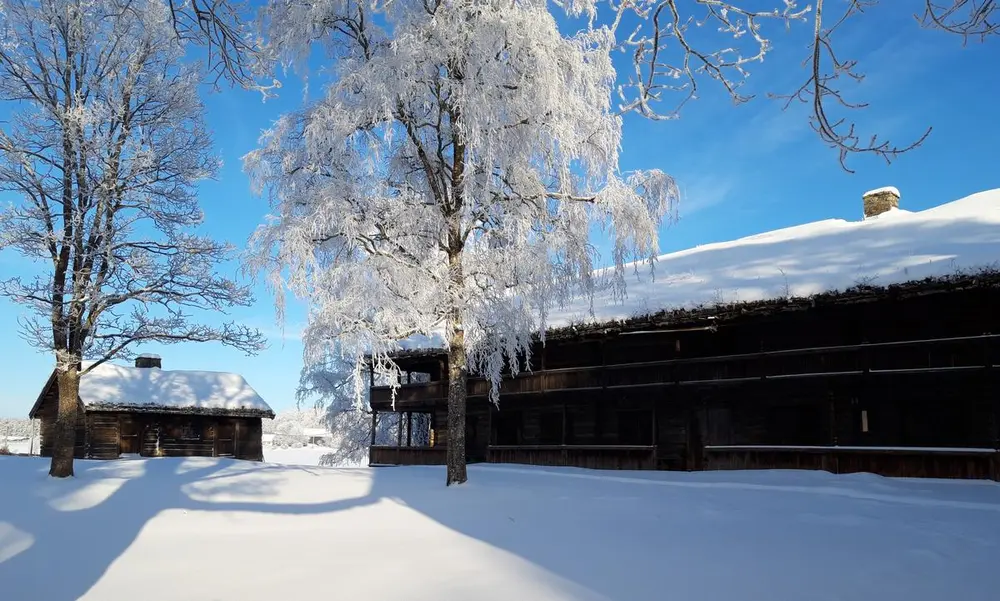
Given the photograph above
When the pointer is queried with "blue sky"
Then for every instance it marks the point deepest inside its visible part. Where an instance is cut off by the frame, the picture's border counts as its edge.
(741, 170)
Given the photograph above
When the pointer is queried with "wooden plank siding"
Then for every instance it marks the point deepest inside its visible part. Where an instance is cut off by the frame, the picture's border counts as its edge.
(47, 417)
(100, 434)
(390, 455)
(888, 370)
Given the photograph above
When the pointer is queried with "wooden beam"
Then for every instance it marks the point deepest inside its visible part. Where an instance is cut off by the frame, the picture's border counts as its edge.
(374, 424)
(399, 429)
(563, 437)
(409, 428)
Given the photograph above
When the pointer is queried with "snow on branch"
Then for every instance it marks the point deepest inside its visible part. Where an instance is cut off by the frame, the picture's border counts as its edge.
(673, 50)
(448, 178)
(224, 29)
(967, 18)
(102, 153)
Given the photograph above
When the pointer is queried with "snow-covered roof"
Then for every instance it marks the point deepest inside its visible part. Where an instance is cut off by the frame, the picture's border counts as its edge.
(891, 189)
(109, 386)
(801, 261)
(894, 247)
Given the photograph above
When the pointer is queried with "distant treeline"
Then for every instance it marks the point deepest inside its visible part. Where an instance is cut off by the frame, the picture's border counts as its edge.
(14, 428)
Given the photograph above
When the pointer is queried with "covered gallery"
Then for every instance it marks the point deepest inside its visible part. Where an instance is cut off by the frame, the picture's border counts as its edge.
(145, 410)
(845, 346)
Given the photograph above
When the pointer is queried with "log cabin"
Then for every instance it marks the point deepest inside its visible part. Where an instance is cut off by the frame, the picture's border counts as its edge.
(147, 411)
(846, 346)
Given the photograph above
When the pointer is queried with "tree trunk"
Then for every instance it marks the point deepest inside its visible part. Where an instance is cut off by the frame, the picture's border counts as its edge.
(458, 376)
(65, 427)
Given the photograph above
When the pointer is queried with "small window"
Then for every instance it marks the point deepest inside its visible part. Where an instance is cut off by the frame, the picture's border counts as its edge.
(635, 427)
(551, 428)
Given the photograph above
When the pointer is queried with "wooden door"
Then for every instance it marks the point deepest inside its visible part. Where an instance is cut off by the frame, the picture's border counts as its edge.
(225, 438)
(475, 450)
(129, 442)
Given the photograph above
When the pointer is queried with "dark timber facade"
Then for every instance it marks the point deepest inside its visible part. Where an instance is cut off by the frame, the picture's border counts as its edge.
(899, 381)
(108, 432)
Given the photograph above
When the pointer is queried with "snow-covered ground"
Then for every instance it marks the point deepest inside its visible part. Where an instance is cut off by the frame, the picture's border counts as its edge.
(18, 444)
(199, 529)
(307, 455)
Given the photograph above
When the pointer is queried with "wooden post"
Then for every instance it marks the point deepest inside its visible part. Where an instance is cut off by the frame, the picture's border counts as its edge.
(598, 424)
(374, 425)
(863, 390)
(656, 431)
(399, 437)
(988, 391)
(833, 418)
(562, 440)
(409, 428)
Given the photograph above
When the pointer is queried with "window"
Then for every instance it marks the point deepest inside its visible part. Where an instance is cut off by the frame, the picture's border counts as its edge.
(551, 428)
(635, 427)
(508, 427)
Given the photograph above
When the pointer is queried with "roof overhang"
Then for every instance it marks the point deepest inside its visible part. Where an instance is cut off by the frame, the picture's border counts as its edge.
(145, 408)
(41, 395)
(710, 317)
(161, 409)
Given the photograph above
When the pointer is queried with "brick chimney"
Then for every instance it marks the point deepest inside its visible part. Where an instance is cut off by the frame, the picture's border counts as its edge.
(148, 360)
(879, 201)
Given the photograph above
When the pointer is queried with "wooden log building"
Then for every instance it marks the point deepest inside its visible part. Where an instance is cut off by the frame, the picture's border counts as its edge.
(150, 412)
(899, 380)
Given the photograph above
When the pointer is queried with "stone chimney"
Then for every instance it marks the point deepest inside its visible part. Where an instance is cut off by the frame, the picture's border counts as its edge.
(879, 201)
(148, 360)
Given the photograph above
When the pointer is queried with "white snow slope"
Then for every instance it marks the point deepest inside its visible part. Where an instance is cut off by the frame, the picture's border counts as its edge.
(834, 254)
(203, 529)
(121, 385)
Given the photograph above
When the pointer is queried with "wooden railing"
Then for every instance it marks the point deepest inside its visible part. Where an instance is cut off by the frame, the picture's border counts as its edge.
(616, 457)
(391, 455)
(954, 355)
(914, 462)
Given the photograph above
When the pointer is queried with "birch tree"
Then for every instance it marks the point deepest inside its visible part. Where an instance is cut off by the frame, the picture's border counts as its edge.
(447, 182)
(102, 152)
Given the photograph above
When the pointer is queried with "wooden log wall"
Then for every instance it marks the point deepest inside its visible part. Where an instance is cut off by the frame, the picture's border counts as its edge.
(912, 463)
(872, 383)
(47, 418)
(103, 435)
(593, 457)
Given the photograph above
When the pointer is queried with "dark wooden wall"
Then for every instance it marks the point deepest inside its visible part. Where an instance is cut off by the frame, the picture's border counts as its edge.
(106, 435)
(47, 418)
(715, 392)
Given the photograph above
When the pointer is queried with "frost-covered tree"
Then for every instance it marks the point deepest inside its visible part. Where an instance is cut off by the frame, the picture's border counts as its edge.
(102, 152)
(447, 182)
(328, 383)
(289, 427)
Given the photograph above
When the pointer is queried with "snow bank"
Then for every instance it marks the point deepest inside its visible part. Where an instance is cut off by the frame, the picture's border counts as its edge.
(170, 529)
(114, 385)
(804, 260)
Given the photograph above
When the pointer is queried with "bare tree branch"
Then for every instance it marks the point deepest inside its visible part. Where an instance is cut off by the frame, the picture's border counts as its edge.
(673, 50)
(967, 18)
